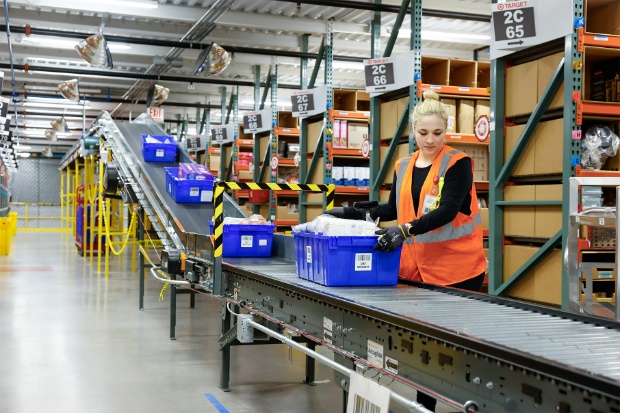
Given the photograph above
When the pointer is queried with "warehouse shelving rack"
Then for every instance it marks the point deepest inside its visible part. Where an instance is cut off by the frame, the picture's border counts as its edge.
(575, 109)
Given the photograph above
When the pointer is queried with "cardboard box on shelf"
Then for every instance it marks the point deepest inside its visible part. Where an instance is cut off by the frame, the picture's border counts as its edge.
(214, 162)
(465, 123)
(286, 120)
(484, 217)
(549, 141)
(521, 92)
(312, 212)
(318, 176)
(603, 17)
(548, 279)
(546, 67)
(514, 257)
(451, 109)
(483, 108)
(389, 119)
(401, 152)
(314, 197)
(402, 105)
(245, 176)
(519, 220)
(357, 134)
(525, 164)
(314, 133)
(344, 133)
(548, 220)
(288, 211)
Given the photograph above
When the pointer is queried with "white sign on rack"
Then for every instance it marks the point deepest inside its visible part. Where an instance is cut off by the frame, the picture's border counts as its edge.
(259, 121)
(195, 142)
(309, 102)
(389, 73)
(222, 134)
(520, 24)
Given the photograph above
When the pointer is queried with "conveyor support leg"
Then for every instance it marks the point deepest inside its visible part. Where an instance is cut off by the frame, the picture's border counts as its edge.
(225, 369)
(310, 364)
(173, 311)
(192, 300)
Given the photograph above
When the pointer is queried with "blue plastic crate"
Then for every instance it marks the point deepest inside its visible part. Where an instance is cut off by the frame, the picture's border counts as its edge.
(159, 152)
(345, 261)
(187, 191)
(247, 240)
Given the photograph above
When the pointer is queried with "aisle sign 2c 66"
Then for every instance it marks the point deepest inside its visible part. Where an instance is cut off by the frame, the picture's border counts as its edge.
(379, 74)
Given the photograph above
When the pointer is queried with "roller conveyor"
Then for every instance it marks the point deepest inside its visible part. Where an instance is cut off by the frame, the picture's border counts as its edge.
(505, 355)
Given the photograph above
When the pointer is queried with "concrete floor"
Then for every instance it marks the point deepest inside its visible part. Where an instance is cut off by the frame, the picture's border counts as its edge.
(74, 342)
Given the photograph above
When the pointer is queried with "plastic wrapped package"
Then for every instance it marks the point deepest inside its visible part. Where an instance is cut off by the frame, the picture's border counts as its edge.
(255, 219)
(332, 226)
(598, 144)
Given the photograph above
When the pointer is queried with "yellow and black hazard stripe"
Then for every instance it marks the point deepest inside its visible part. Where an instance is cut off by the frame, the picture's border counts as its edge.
(218, 201)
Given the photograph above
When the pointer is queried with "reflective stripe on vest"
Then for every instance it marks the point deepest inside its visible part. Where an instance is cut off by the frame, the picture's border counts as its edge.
(447, 232)
(402, 169)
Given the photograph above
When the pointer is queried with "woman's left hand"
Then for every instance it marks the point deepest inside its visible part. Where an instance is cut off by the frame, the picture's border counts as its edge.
(391, 238)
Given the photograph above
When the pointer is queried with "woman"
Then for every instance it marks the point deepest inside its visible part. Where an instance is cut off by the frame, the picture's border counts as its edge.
(434, 200)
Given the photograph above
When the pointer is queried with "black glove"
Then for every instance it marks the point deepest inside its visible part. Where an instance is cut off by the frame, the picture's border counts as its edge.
(338, 212)
(363, 207)
(391, 238)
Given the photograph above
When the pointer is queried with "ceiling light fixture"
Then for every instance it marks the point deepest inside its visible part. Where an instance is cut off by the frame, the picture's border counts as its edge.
(157, 95)
(212, 60)
(59, 125)
(50, 135)
(69, 90)
(47, 152)
(94, 49)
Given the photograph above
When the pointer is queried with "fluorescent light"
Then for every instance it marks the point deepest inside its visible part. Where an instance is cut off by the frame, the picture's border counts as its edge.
(54, 106)
(137, 4)
(68, 44)
(55, 89)
(22, 147)
(434, 35)
(25, 154)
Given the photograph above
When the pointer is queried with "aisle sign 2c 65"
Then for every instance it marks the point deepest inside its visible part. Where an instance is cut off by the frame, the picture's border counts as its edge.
(526, 23)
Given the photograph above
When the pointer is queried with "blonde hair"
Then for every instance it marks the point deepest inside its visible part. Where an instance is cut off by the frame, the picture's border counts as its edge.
(430, 106)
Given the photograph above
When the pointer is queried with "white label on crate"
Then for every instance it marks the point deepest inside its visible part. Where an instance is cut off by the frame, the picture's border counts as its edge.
(391, 365)
(194, 191)
(327, 324)
(601, 221)
(375, 354)
(169, 187)
(605, 275)
(262, 242)
(309, 254)
(159, 153)
(206, 196)
(363, 262)
(247, 241)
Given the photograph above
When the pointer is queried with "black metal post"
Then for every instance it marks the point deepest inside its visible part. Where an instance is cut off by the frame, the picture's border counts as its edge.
(142, 259)
(310, 364)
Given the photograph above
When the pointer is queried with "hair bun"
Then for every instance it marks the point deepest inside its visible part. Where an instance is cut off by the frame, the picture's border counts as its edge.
(430, 95)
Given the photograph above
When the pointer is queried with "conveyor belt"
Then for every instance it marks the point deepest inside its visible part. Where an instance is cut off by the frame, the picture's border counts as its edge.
(194, 217)
(581, 347)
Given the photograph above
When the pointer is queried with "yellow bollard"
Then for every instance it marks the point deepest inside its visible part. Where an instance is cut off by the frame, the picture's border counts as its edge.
(5, 236)
(13, 219)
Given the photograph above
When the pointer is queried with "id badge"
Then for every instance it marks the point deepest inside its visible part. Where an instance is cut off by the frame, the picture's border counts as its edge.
(428, 203)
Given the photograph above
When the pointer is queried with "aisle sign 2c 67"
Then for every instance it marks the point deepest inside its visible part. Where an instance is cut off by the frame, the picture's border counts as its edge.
(308, 102)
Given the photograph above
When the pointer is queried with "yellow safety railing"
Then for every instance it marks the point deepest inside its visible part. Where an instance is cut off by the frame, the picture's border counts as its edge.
(26, 218)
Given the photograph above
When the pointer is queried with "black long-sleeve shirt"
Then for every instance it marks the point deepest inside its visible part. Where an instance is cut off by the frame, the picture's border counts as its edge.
(455, 197)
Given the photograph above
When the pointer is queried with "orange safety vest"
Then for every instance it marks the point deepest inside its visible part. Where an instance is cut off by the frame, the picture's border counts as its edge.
(449, 254)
